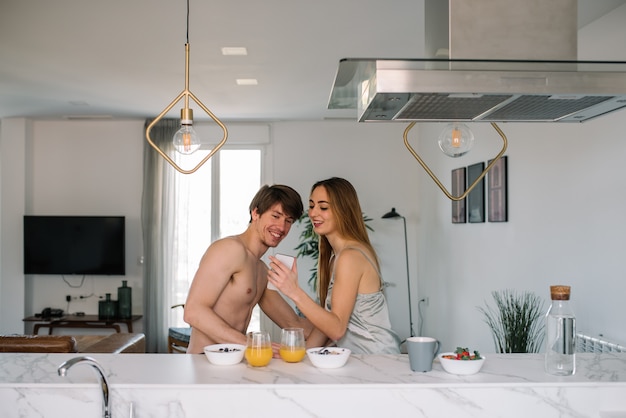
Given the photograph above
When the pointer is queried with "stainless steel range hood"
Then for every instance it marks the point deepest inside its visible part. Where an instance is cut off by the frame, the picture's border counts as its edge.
(438, 90)
(509, 61)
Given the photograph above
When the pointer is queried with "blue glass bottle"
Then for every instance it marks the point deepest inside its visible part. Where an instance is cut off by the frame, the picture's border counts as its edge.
(124, 301)
(107, 308)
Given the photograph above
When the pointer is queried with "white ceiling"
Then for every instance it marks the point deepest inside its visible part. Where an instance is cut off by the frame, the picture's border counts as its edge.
(125, 58)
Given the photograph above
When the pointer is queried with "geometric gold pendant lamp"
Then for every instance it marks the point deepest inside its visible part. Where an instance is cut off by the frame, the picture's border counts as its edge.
(185, 140)
(434, 177)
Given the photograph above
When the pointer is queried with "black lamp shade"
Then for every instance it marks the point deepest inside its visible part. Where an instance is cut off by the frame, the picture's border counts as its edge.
(391, 214)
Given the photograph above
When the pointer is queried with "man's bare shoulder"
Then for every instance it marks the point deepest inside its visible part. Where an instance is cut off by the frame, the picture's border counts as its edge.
(227, 245)
(229, 250)
(233, 242)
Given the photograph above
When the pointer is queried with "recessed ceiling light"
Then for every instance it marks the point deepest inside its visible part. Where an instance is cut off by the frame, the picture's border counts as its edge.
(247, 81)
(234, 50)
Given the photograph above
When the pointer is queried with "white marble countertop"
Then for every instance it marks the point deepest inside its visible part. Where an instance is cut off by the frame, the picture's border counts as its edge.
(187, 386)
(182, 370)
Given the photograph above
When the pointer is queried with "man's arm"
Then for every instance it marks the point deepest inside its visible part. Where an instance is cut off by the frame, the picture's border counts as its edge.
(317, 339)
(218, 265)
(279, 311)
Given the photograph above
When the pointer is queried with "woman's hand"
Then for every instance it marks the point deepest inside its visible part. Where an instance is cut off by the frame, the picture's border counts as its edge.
(284, 279)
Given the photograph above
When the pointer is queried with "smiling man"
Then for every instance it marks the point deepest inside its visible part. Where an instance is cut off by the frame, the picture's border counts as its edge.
(232, 278)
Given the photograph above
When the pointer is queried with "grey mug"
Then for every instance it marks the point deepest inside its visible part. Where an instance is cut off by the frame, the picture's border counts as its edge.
(422, 352)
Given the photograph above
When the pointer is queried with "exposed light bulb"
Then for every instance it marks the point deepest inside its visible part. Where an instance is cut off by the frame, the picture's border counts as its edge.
(186, 140)
(456, 140)
(456, 137)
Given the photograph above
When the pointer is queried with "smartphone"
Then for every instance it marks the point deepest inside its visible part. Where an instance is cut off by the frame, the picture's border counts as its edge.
(286, 260)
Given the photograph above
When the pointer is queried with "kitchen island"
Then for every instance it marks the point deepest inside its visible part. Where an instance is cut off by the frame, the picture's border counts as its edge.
(166, 385)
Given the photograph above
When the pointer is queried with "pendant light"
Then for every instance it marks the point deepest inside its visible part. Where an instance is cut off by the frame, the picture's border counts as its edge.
(434, 177)
(186, 140)
(456, 139)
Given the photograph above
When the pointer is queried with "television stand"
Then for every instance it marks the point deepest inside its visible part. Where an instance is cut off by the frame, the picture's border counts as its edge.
(80, 321)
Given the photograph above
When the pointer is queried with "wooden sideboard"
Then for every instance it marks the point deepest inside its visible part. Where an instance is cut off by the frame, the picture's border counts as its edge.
(80, 321)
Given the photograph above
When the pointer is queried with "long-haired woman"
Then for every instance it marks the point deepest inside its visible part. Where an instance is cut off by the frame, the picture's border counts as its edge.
(352, 309)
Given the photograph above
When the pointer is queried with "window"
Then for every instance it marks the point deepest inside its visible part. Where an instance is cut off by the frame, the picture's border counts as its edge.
(212, 203)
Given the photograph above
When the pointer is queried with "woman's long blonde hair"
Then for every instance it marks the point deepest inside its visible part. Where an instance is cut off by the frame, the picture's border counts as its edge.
(344, 203)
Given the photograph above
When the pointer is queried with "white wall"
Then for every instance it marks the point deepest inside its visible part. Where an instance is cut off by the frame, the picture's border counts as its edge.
(565, 227)
(12, 184)
(71, 168)
(603, 39)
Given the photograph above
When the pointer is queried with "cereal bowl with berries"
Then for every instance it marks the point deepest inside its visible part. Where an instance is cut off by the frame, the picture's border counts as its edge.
(224, 354)
(328, 357)
(462, 362)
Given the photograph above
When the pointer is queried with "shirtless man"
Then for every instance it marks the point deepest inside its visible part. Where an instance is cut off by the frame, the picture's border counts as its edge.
(232, 279)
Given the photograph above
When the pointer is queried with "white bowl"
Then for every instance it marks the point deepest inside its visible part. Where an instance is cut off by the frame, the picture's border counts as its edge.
(461, 367)
(328, 357)
(224, 354)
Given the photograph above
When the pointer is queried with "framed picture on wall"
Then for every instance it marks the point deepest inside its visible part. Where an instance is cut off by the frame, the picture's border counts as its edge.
(476, 198)
(458, 187)
(497, 191)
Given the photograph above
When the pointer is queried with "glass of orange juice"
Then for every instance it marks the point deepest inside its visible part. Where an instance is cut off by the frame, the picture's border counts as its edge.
(258, 348)
(292, 348)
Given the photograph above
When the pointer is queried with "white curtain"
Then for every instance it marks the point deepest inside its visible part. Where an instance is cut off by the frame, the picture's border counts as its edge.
(159, 238)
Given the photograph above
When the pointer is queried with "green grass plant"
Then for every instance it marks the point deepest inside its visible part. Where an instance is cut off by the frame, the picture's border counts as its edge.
(516, 321)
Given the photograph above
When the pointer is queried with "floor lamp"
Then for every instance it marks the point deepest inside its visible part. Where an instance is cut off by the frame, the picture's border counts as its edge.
(394, 214)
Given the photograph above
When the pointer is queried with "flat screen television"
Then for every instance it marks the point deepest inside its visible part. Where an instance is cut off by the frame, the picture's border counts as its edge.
(81, 245)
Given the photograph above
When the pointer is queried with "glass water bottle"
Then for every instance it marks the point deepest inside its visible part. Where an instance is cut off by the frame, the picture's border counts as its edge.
(560, 334)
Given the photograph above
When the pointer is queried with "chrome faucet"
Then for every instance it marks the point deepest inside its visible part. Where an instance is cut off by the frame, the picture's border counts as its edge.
(104, 385)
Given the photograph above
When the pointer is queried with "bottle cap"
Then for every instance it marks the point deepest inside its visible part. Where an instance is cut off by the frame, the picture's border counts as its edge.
(560, 292)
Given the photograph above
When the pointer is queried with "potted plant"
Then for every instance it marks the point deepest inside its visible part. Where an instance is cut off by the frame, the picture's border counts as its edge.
(515, 321)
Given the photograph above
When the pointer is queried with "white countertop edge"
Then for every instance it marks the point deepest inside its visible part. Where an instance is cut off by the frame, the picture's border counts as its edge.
(310, 386)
